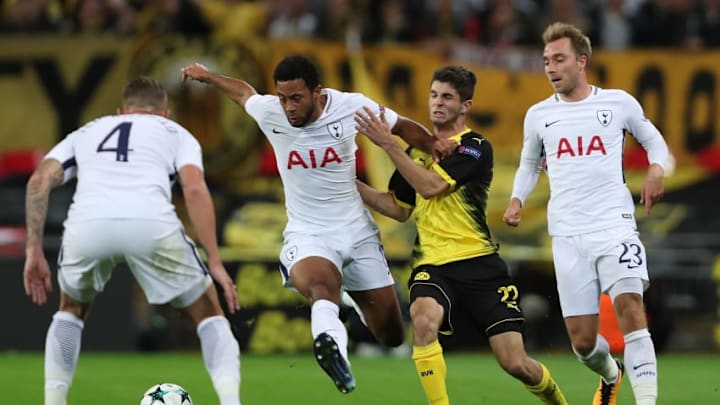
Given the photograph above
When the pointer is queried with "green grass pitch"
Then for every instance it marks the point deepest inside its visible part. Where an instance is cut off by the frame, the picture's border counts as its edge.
(474, 378)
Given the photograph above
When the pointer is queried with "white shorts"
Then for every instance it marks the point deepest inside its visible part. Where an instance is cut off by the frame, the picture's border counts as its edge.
(163, 260)
(589, 264)
(361, 263)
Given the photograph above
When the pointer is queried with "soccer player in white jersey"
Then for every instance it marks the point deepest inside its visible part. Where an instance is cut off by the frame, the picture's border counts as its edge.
(330, 240)
(125, 165)
(579, 132)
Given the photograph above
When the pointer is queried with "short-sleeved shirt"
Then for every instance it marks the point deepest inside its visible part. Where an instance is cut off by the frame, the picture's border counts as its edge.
(582, 143)
(317, 163)
(125, 166)
(452, 226)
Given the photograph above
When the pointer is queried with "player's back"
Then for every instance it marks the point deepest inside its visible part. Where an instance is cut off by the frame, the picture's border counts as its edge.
(125, 166)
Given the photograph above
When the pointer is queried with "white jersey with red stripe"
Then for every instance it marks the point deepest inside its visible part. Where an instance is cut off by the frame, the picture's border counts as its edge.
(317, 163)
(125, 166)
(582, 143)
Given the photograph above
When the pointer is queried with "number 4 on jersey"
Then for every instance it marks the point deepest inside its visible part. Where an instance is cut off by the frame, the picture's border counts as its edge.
(121, 146)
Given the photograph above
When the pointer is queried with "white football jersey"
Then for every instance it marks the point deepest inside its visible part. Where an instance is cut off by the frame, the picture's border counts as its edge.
(582, 143)
(316, 162)
(125, 166)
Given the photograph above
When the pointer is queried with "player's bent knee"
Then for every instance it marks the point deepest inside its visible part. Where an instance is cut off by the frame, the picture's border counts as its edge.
(583, 346)
(514, 366)
(68, 304)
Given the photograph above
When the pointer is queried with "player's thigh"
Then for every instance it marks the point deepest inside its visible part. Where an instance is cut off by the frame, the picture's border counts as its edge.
(483, 287)
(620, 255)
(367, 267)
(577, 283)
(85, 261)
(307, 260)
(170, 271)
(431, 282)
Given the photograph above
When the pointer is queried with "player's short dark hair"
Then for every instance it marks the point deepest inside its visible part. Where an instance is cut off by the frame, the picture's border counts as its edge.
(297, 67)
(144, 92)
(578, 40)
(461, 79)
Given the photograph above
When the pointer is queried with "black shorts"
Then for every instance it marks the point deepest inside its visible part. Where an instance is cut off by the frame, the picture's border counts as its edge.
(481, 286)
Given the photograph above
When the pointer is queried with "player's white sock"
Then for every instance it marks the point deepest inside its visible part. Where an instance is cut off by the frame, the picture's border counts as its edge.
(62, 348)
(641, 366)
(221, 353)
(600, 361)
(325, 317)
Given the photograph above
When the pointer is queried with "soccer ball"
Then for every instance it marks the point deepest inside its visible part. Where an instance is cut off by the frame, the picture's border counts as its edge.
(166, 394)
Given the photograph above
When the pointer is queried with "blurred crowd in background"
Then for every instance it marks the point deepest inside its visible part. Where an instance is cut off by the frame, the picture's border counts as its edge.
(612, 24)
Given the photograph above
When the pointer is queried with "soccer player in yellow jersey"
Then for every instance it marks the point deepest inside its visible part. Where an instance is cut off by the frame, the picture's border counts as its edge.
(455, 261)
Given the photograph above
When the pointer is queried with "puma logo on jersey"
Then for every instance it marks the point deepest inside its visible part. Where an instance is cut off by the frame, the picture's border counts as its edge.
(565, 147)
(311, 159)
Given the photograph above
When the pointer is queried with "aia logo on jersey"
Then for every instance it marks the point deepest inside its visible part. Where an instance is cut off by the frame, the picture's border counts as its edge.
(577, 147)
(312, 159)
(605, 117)
(335, 129)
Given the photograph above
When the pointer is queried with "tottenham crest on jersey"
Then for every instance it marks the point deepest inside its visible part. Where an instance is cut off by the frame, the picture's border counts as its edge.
(335, 129)
(605, 117)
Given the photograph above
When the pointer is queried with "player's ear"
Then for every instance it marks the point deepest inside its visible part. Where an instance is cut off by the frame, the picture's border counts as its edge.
(467, 104)
(316, 90)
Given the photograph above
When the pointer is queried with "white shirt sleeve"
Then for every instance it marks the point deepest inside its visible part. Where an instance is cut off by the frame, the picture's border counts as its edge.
(531, 157)
(189, 151)
(256, 105)
(390, 116)
(646, 133)
(64, 152)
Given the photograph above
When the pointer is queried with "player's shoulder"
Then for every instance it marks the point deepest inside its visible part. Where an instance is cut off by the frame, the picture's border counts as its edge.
(262, 103)
(100, 122)
(475, 144)
(547, 103)
(474, 138)
(342, 99)
(613, 94)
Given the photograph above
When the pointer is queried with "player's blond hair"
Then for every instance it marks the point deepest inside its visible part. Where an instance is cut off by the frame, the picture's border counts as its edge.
(145, 93)
(578, 40)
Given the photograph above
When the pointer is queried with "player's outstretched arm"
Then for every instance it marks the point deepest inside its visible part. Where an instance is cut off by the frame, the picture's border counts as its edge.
(202, 215)
(238, 90)
(384, 203)
(420, 137)
(36, 272)
(427, 183)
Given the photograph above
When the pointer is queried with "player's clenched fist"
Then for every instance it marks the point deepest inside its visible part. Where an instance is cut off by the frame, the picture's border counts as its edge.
(512, 213)
(196, 71)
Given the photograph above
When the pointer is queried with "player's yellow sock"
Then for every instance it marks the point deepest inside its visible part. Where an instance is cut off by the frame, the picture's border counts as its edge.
(547, 390)
(431, 368)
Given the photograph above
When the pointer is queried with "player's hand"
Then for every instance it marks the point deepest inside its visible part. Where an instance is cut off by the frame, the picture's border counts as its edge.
(196, 71)
(442, 148)
(375, 128)
(36, 276)
(512, 213)
(221, 276)
(653, 188)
